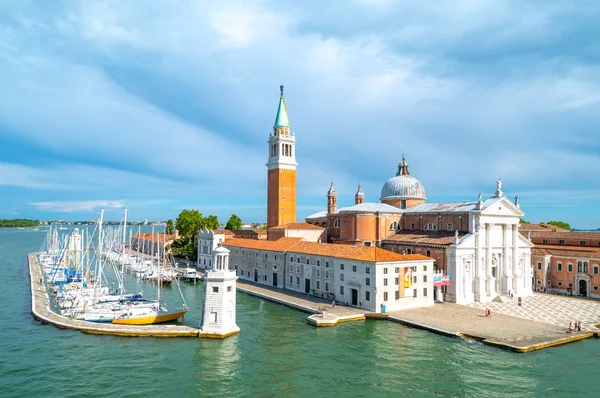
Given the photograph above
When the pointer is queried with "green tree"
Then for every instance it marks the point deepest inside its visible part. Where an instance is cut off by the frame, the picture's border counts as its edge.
(170, 227)
(523, 221)
(212, 222)
(559, 224)
(234, 223)
(188, 223)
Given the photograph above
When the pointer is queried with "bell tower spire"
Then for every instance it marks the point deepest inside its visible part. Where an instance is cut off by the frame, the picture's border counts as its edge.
(331, 199)
(281, 184)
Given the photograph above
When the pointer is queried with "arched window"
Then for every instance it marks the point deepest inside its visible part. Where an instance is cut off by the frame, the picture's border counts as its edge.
(449, 226)
(586, 268)
(394, 225)
(336, 224)
(579, 266)
(430, 227)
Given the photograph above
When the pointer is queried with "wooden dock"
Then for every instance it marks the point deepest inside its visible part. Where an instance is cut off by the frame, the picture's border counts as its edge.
(40, 308)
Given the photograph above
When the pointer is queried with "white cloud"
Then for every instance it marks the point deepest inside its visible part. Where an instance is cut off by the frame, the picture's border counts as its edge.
(75, 207)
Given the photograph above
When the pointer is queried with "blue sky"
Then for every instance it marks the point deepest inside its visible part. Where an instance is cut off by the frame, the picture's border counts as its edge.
(169, 105)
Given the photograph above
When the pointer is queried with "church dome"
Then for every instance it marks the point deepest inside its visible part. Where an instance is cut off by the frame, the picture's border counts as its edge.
(403, 186)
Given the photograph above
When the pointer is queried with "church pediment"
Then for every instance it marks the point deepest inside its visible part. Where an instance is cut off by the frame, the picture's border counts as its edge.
(501, 207)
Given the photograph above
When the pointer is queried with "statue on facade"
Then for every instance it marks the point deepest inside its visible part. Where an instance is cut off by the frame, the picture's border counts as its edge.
(456, 237)
(517, 200)
(499, 184)
(480, 197)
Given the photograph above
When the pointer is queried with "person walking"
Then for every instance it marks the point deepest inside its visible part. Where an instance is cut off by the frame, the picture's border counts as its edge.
(489, 313)
(333, 304)
(486, 311)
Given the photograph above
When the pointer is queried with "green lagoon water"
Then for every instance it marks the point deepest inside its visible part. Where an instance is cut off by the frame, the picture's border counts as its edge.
(277, 353)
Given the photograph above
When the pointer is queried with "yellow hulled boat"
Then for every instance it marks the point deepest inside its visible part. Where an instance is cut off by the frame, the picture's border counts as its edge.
(149, 319)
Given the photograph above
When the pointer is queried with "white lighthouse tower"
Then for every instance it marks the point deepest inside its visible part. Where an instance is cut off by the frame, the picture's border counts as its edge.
(218, 313)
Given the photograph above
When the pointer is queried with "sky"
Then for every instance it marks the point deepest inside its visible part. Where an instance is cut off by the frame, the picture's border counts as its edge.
(168, 105)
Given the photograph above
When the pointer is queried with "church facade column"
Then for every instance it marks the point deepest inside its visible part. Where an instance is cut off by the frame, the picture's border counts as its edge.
(490, 278)
(506, 266)
(479, 288)
(515, 259)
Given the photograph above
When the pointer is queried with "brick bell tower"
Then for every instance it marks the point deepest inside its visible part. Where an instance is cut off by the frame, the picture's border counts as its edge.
(281, 183)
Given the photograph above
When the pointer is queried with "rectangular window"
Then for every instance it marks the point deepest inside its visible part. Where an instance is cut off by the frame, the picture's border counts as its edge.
(385, 282)
(595, 287)
(539, 281)
(396, 281)
(385, 270)
(570, 284)
(424, 278)
(265, 255)
(424, 292)
(318, 263)
(368, 295)
(307, 261)
(548, 283)
(428, 253)
(415, 279)
(297, 280)
(292, 259)
(342, 290)
(327, 274)
(326, 286)
(341, 277)
(415, 293)
(539, 266)
(412, 225)
(545, 241)
(275, 256)
(396, 270)
(318, 272)
(424, 268)
(341, 266)
(326, 264)
(297, 268)
(595, 270)
(215, 289)
(291, 279)
(570, 267)
(581, 243)
(291, 268)
(318, 285)
(385, 296)
(354, 268)
(559, 267)
(397, 295)
(298, 260)
(562, 242)
(228, 288)
(367, 270)
(368, 281)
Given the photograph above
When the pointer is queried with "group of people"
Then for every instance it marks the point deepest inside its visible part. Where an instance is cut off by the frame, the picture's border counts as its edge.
(574, 328)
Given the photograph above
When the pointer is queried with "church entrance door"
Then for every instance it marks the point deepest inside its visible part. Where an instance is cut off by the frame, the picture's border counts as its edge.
(255, 275)
(583, 288)
(275, 279)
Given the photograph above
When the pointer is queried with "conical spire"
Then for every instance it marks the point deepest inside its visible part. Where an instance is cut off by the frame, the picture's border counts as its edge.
(403, 168)
(359, 193)
(282, 117)
(331, 191)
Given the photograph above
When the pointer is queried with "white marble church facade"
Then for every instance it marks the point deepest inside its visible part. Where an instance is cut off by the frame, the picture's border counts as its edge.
(493, 258)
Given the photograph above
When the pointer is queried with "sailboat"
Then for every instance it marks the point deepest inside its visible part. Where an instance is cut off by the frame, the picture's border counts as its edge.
(152, 314)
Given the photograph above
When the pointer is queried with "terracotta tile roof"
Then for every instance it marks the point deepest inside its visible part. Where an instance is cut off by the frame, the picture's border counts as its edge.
(361, 253)
(566, 235)
(297, 225)
(296, 245)
(567, 251)
(444, 238)
(157, 237)
(222, 231)
(540, 227)
(280, 245)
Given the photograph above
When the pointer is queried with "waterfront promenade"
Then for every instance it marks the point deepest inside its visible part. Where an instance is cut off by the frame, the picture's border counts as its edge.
(40, 308)
(505, 331)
